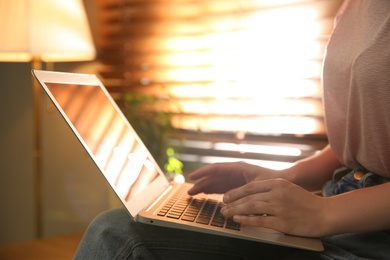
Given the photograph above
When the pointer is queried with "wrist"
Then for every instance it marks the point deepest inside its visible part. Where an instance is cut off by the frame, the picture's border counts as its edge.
(293, 173)
(328, 221)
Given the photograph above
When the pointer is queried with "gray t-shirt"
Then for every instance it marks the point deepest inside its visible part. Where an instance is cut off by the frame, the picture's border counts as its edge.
(356, 81)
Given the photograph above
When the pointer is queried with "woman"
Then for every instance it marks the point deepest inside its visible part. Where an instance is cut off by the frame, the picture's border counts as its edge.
(353, 215)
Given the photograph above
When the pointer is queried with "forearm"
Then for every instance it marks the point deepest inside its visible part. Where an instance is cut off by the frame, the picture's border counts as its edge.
(311, 173)
(361, 210)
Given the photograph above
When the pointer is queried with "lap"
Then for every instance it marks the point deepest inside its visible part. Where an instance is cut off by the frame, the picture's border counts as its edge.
(115, 235)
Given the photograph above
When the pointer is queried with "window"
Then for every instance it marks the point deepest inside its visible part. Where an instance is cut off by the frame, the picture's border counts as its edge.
(250, 67)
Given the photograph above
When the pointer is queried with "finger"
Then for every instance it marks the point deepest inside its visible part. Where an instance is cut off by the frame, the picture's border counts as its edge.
(211, 184)
(210, 169)
(264, 221)
(247, 171)
(249, 207)
(247, 190)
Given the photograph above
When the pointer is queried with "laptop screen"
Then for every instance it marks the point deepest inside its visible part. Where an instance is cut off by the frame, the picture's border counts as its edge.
(125, 162)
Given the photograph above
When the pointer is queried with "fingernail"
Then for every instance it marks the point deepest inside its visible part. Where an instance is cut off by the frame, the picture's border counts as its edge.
(223, 210)
(225, 198)
(190, 191)
(236, 218)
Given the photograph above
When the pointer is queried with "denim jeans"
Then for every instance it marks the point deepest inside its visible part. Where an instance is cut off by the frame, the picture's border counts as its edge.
(115, 235)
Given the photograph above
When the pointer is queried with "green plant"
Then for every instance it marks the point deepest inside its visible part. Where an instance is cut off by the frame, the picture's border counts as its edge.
(153, 127)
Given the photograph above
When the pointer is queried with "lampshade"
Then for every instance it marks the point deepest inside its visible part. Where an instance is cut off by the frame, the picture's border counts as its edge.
(50, 30)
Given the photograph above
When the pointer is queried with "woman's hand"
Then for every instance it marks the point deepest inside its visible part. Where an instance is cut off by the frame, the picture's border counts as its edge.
(222, 177)
(277, 204)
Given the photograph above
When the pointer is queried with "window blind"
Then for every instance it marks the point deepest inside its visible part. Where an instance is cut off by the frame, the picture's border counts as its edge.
(251, 66)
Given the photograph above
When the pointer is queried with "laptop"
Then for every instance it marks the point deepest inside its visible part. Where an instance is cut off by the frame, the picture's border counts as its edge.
(133, 173)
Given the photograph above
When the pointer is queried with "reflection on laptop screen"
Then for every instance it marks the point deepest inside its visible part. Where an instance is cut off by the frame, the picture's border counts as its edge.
(124, 161)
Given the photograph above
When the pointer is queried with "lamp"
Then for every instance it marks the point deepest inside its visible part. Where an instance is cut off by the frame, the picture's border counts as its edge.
(47, 31)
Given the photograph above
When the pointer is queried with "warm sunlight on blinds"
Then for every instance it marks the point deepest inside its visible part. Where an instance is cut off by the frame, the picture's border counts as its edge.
(251, 66)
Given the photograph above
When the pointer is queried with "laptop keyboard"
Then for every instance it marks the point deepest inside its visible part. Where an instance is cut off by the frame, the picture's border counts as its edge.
(198, 210)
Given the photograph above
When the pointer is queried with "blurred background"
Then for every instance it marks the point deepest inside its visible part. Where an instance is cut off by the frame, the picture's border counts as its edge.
(236, 80)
